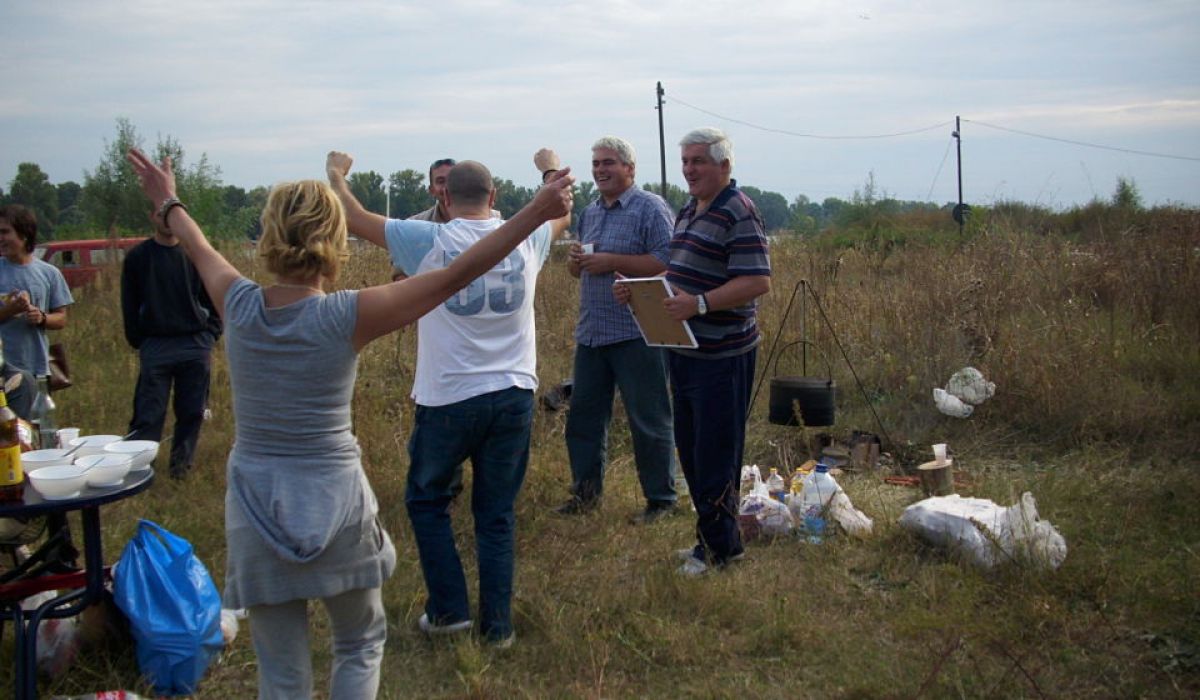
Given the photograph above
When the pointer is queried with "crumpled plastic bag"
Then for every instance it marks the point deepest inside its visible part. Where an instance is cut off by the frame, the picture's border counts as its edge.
(950, 404)
(57, 638)
(985, 533)
(229, 623)
(773, 516)
(853, 521)
(969, 386)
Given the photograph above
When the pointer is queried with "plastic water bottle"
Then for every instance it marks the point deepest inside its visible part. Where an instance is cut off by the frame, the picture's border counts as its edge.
(819, 489)
(775, 485)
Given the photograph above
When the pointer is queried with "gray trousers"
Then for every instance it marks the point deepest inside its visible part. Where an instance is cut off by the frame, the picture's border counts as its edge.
(280, 635)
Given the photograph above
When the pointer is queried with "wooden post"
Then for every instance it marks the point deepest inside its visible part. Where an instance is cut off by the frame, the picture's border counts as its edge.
(937, 479)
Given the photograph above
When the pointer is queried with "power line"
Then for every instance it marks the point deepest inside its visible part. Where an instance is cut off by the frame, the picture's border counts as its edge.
(936, 175)
(807, 136)
(1082, 143)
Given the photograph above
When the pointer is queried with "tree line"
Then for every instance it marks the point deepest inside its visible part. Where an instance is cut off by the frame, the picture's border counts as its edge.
(109, 201)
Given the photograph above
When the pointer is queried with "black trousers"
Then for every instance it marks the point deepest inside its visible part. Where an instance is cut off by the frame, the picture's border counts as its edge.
(191, 378)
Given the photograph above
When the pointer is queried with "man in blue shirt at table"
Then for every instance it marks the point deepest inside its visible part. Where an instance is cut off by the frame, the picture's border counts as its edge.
(627, 231)
(33, 294)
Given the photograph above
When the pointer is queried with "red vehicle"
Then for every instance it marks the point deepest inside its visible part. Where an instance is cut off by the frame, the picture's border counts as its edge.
(82, 261)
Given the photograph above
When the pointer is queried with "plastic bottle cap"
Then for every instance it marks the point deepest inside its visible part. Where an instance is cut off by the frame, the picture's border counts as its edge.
(822, 467)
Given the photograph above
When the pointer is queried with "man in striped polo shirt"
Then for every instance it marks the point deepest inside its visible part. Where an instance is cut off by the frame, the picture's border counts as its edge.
(719, 267)
(626, 231)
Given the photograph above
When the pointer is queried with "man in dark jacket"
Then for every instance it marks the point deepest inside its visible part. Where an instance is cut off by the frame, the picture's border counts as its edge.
(173, 325)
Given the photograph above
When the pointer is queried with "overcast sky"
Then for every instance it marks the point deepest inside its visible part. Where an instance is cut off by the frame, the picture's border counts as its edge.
(266, 87)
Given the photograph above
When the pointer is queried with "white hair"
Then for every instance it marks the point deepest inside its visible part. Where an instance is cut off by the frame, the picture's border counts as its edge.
(720, 148)
(623, 148)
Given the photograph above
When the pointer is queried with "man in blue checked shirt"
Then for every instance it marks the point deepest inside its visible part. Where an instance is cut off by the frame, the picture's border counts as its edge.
(628, 231)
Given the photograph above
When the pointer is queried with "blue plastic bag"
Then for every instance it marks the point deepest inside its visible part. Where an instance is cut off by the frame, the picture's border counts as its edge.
(174, 609)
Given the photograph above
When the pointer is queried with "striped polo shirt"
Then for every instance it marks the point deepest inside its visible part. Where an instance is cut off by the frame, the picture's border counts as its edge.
(707, 250)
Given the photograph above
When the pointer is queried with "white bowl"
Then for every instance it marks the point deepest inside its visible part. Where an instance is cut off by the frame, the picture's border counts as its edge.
(105, 469)
(36, 459)
(58, 482)
(142, 452)
(92, 444)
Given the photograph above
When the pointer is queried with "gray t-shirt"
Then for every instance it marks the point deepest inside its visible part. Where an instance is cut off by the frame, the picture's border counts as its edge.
(25, 345)
(295, 480)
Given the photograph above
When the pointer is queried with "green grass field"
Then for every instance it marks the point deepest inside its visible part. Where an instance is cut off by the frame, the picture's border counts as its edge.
(1095, 349)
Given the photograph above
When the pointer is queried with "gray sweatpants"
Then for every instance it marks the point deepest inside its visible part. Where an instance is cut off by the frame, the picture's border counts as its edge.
(280, 635)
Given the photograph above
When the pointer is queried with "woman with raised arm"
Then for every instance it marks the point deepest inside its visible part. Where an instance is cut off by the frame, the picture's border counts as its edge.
(299, 513)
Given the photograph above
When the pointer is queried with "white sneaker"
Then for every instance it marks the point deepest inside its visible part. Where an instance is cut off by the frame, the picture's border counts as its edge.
(431, 629)
(685, 554)
(693, 568)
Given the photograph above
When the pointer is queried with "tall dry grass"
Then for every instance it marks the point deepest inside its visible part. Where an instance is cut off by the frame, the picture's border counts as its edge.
(1092, 343)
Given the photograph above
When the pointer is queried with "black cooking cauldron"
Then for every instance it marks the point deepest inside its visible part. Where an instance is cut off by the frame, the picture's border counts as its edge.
(813, 397)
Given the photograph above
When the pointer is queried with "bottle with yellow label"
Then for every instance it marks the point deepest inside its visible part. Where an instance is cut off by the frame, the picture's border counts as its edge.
(12, 477)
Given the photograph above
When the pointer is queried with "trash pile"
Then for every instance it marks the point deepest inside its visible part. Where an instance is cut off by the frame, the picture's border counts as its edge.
(985, 533)
(966, 389)
(810, 504)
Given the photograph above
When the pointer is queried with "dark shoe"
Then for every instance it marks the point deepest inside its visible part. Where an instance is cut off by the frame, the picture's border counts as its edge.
(179, 472)
(578, 506)
(654, 510)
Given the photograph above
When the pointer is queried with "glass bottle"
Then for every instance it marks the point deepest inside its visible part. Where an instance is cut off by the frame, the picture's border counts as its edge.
(41, 415)
(12, 477)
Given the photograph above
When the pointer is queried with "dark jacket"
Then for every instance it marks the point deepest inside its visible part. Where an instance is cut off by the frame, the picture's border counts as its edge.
(162, 296)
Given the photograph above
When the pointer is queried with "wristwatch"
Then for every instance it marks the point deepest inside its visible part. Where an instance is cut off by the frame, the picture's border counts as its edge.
(701, 305)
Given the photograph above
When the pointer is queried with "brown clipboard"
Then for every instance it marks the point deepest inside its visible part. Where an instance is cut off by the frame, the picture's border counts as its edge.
(646, 304)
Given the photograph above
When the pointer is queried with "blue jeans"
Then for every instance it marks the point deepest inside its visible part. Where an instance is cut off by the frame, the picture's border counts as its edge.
(190, 377)
(712, 398)
(493, 431)
(640, 372)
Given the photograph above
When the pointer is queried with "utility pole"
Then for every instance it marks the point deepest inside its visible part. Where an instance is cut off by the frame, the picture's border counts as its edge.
(662, 144)
(962, 210)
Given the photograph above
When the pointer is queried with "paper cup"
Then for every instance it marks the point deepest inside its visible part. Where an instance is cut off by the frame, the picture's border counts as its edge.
(939, 453)
(588, 248)
(66, 435)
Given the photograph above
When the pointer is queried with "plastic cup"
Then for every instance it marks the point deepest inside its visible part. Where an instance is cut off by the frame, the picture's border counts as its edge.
(939, 453)
(588, 248)
(66, 435)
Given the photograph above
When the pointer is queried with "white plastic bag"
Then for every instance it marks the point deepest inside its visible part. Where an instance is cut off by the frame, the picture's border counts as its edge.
(57, 639)
(773, 517)
(985, 533)
(853, 521)
(950, 404)
(969, 386)
(229, 623)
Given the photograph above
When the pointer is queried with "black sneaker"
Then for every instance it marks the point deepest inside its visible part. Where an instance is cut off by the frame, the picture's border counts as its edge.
(578, 506)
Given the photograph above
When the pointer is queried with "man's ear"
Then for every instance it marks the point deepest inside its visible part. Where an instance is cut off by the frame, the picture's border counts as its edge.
(492, 199)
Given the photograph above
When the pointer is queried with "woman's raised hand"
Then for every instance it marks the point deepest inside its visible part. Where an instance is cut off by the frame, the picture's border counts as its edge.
(157, 181)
